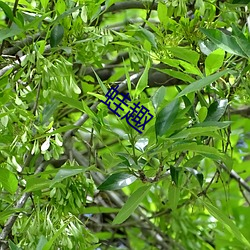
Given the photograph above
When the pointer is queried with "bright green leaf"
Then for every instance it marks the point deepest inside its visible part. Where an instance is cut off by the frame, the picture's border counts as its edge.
(186, 54)
(214, 61)
(8, 180)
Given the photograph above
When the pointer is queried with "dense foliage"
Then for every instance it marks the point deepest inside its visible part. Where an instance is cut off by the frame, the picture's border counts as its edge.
(167, 170)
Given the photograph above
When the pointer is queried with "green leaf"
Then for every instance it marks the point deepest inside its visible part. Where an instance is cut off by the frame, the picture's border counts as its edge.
(98, 210)
(198, 175)
(158, 97)
(202, 114)
(177, 74)
(41, 243)
(132, 203)
(13, 246)
(7, 10)
(186, 54)
(216, 110)
(227, 223)
(219, 125)
(193, 132)
(56, 35)
(143, 81)
(197, 85)
(8, 180)
(104, 89)
(162, 12)
(117, 181)
(174, 172)
(49, 244)
(9, 211)
(70, 101)
(147, 35)
(66, 172)
(34, 183)
(9, 32)
(214, 61)
(166, 117)
(223, 41)
(245, 2)
(173, 196)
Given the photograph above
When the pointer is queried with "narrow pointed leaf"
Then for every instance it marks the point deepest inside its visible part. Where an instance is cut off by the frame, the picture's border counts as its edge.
(198, 85)
(132, 203)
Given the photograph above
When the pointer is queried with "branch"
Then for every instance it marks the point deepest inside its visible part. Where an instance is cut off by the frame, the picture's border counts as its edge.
(21, 44)
(236, 177)
(16, 63)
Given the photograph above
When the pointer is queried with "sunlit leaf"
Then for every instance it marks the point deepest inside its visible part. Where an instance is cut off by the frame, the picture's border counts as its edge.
(8, 180)
(214, 61)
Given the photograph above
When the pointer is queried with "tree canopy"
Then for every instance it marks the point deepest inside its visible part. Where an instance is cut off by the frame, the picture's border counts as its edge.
(124, 124)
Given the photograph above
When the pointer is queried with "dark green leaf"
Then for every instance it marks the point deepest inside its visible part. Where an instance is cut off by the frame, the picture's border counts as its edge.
(117, 181)
(216, 110)
(8, 180)
(56, 35)
(132, 203)
(245, 2)
(223, 41)
(174, 172)
(7, 10)
(166, 117)
(198, 175)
